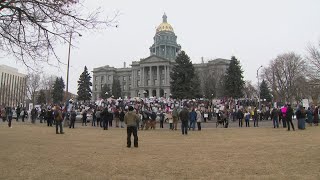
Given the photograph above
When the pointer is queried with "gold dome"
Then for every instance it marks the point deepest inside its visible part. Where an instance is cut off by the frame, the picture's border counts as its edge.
(164, 27)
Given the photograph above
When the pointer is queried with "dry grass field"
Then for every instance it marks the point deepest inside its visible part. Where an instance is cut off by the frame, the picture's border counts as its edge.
(36, 152)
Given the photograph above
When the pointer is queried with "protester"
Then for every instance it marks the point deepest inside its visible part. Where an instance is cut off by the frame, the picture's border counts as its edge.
(121, 118)
(247, 118)
(184, 117)
(316, 116)
(301, 116)
(175, 116)
(73, 116)
(131, 119)
(199, 119)
(58, 118)
(310, 116)
(240, 116)
(9, 116)
(161, 116)
(274, 117)
(289, 115)
(192, 119)
(84, 118)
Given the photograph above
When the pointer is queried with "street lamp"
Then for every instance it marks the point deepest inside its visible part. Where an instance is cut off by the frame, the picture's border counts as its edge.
(259, 86)
(165, 94)
(145, 93)
(68, 67)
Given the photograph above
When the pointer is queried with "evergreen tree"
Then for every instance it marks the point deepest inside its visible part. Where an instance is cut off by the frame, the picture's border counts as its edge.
(105, 92)
(84, 84)
(265, 92)
(185, 83)
(57, 92)
(41, 99)
(234, 82)
(116, 88)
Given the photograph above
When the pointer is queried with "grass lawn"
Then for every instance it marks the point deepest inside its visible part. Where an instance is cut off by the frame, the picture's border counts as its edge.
(36, 152)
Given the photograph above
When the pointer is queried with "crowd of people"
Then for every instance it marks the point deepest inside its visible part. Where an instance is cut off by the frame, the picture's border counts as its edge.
(150, 111)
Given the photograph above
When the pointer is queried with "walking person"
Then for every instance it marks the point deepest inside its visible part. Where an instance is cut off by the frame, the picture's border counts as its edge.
(184, 117)
(58, 118)
(274, 117)
(34, 115)
(289, 115)
(301, 116)
(199, 119)
(131, 120)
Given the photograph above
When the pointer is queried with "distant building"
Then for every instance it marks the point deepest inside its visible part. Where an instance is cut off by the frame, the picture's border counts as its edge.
(12, 86)
(151, 76)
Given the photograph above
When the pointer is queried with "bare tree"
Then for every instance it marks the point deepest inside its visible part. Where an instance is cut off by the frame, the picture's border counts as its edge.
(285, 74)
(313, 58)
(29, 29)
(47, 82)
(249, 90)
(33, 85)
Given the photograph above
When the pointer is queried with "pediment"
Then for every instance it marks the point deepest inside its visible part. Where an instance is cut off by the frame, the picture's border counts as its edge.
(153, 59)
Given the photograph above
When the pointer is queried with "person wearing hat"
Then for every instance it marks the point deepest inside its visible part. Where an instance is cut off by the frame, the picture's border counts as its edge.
(131, 119)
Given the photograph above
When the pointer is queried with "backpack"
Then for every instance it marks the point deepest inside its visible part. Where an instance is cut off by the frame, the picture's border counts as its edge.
(59, 116)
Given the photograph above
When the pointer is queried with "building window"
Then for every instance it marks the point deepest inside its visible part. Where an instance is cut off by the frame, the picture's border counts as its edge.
(138, 83)
(102, 86)
(124, 87)
(162, 81)
(95, 87)
(109, 78)
(96, 78)
(124, 78)
(139, 73)
(129, 78)
(102, 79)
(148, 82)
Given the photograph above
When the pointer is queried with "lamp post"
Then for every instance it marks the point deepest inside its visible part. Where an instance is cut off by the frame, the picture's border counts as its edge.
(259, 86)
(68, 67)
(145, 93)
(165, 94)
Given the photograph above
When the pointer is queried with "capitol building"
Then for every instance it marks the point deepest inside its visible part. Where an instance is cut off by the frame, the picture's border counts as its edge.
(151, 76)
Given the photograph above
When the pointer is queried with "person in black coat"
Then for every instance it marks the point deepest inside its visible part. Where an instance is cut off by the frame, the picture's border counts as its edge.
(84, 118)
(240, 116)
(49, 117)
(73, 116)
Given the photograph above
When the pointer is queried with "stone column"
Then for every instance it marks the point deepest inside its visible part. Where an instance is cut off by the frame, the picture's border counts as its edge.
(151, 82)
(165, 75)
(158, 76)
(168, 75)
(143, 80)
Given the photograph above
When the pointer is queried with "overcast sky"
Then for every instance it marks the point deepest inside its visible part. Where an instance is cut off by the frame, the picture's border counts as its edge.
(255, 31)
